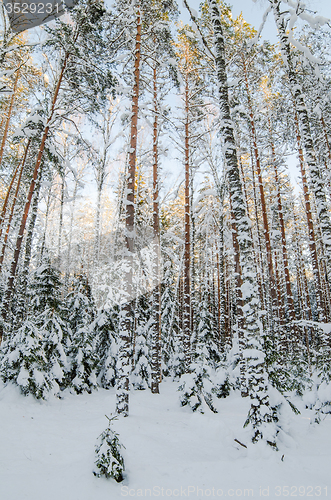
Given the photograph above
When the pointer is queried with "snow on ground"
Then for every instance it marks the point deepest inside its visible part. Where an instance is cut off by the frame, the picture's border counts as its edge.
(47, 450)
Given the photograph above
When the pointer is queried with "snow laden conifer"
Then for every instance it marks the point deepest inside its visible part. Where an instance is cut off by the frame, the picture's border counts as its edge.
(200, 386)
(35, 357)
(141, 374)
(109, 462)
(172, 350)
(24, 362)
(47, 307)
(105, 327)
(82, 350)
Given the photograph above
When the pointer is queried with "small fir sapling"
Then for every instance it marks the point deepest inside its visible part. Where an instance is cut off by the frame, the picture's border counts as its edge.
(81, 312)
(109, 461)
(105, 327)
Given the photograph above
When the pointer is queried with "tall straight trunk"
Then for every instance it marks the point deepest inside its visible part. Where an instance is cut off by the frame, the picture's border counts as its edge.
(256, 375)
(301, 271)
(97, 225)
(258, 252)
(124, 365)
(266, 231)
(317, 181)
(261, 281)
(10, 109)
(29, 238)
(10, 187)
(11, 279)
(289, 296)
(59, 243)
(326, 138)
(11, 214)
(187, 237)
(310, 223)
(156, 332)
(74, 196)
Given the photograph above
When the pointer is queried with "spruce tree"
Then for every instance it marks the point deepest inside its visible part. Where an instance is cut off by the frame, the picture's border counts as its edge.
(109, 462)
(82, 349)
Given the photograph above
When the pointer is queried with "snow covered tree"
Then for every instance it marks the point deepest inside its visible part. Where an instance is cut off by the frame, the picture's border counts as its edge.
(109, 461)
(24, 362)
(82, 349)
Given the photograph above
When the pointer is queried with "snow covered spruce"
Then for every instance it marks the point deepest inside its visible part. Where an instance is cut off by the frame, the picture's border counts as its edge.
(109, 462)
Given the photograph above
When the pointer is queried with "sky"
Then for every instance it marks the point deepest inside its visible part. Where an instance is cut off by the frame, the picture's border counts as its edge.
(253, 12)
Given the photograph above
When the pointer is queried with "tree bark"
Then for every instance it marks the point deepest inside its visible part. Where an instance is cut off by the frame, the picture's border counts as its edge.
(187, 236)
(10, 109)
(124, 365)
(256, 375)
(156, 368)
(18, 185)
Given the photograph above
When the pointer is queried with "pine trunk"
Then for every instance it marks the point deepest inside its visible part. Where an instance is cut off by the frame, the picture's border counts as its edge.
(187, 244)
(10, 109)
(11, 215)
(156, 329)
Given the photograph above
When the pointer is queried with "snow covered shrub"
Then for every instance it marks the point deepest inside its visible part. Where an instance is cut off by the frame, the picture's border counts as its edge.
(197, 388)
(109, 461)
(323, 402)
(24, 362)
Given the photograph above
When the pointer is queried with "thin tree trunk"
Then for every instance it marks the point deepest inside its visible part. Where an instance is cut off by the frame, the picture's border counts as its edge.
(187, 244)
(310, 223)
(10, 187)
(59, 243)
(18, 185)
(289, 295)
(42, 248)
(156, 335)
(10, 109)
(266, 231)
(316, 177)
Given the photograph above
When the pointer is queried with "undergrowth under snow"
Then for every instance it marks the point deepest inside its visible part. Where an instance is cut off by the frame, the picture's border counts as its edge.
(47, 449)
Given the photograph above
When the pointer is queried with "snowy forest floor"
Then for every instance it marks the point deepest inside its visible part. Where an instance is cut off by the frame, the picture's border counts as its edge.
(47, 449)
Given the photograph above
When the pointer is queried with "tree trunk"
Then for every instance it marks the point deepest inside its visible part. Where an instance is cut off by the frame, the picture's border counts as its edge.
(10, 109)
(311, 231)
(256, 375)
(156, 329)
(289, 296)
(122, 389)
(266, 232)
(187, 244)
(18, 185)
